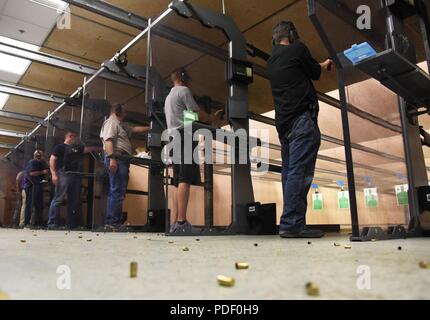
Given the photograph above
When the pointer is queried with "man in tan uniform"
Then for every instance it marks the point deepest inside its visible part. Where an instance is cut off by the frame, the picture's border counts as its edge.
(116, 143)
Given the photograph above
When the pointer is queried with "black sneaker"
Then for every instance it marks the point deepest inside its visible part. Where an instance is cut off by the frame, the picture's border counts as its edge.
(36, 227)
(110, 228)
(116, 228)
(185, 228)
(305, 233)
(78, 228)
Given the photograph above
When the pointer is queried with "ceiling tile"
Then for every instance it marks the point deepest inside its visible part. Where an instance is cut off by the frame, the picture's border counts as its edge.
(31, 12)
(9, 27)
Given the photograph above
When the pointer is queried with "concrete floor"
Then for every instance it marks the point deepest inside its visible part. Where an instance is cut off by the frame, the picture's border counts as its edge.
(279, 268)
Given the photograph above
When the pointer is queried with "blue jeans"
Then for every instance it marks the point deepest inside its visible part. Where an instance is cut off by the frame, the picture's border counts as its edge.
(70, 186)
(118, 182)
(299, 154)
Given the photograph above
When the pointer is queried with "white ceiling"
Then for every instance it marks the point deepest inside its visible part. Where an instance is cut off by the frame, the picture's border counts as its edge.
(28, 21)
(35, 18)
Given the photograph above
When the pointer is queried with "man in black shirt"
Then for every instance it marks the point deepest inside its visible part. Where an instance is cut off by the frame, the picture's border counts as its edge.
(36, 171)
(291, 69)
(66, 164)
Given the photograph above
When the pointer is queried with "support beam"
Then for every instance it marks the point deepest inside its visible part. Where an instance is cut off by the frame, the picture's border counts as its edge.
(65, 64)
(6, 146)
(134, 117)
(30, 93)
(13, 134)
(19, 116)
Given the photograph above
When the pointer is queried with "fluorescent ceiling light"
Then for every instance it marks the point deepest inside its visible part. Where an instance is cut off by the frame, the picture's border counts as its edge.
(3, 99)
(52, 4)
(13, 64)
(19, 44)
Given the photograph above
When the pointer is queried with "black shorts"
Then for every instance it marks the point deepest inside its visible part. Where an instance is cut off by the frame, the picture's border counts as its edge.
(186, 173)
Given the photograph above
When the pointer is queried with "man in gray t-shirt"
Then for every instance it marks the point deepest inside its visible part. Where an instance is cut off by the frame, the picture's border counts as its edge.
(180, 99)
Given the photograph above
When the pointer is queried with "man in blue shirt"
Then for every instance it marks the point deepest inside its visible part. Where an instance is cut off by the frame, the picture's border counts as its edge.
(36, 171)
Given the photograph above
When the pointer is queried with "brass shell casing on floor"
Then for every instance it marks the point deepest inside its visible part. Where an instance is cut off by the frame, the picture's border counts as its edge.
(312, 289)
(225, 281)
(133, 270)
(242, 265)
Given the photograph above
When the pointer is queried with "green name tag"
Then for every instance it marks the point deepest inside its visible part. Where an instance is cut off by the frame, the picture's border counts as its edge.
(190, 117)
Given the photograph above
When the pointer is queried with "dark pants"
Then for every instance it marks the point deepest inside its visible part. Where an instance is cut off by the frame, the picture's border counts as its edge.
(70, 186)
(299, 153)
(34, 203)
(118, 182)
(17, 213)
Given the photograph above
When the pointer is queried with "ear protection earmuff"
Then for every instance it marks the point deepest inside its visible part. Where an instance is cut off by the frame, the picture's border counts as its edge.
(119, 110)
(185, 78)
(285, 29)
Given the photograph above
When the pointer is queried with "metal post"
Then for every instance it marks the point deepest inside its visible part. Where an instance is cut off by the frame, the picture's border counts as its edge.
(415, 165)
(84, 88)
(348, 155)
(223, 6)
(208, 190)
(90, 195)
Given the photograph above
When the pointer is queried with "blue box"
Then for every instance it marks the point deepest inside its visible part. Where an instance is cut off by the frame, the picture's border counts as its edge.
(359, 52)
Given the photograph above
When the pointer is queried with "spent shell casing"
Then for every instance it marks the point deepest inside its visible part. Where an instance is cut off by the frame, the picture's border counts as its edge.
(225, 281)
(23, 241)
(424, 264)
(312, 289)
(185, 249)
(347, 246)
(133, 269)
(242, 265)
(4, 296)
(336, 244)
